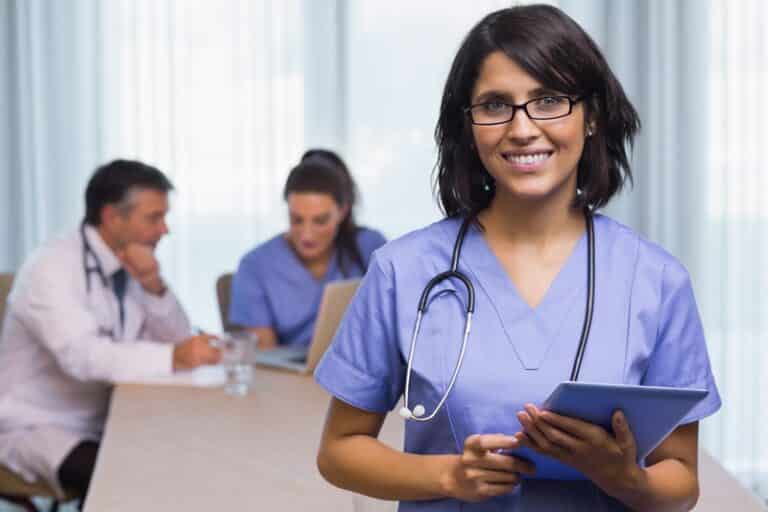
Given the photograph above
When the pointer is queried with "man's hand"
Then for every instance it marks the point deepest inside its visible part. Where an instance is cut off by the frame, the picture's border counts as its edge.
(139, 260)
(194, 352)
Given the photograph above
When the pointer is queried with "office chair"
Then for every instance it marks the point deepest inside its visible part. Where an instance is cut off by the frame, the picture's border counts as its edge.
(13, 488)
(16, 490)
(223, 290)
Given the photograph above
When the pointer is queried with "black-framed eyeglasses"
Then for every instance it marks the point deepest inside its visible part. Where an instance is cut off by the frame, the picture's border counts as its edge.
(541, 109)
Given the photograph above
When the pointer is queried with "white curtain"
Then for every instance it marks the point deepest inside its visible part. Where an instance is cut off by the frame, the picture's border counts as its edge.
(49, 136)
(213, 93)
(698, 72)
(735, 251)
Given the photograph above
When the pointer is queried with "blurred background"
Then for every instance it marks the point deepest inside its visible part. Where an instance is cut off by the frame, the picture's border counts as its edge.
(225, 95)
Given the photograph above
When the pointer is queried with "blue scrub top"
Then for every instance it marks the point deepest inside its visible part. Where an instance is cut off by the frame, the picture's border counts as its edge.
(273, 288)
(646, 330)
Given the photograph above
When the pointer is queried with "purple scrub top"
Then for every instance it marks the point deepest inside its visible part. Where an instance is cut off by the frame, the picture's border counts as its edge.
(646, 330)
(273, 288)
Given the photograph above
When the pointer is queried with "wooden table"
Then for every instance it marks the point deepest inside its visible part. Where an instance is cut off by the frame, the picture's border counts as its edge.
(169, 448)
(190, 449)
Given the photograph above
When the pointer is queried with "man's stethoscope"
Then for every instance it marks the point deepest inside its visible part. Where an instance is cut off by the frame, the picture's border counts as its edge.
(417, 413)
(96, 268)
(88, 252)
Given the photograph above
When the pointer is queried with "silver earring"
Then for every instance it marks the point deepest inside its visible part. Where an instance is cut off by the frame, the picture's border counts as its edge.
(589, 132)
(487, 183)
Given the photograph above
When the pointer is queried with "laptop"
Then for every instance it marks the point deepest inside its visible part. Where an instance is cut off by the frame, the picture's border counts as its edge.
(336, 297)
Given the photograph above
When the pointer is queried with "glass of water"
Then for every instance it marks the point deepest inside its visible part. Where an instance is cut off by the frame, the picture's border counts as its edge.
(237, 351)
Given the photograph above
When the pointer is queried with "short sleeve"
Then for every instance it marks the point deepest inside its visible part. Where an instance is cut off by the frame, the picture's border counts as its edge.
(369, 240)
(363, 366)
(248, 301)
(680, 358)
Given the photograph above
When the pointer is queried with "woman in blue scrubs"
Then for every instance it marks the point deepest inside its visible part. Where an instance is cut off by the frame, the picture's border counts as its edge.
(277, 289)
(532, 134)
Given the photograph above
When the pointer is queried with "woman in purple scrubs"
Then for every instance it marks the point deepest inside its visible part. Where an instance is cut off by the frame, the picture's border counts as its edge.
(532, 140)
(277, 289)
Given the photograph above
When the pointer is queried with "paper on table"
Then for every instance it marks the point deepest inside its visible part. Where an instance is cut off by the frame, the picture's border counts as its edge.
(203, 376)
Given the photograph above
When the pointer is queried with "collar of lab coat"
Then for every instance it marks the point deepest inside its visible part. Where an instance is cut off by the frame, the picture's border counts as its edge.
(109, 261)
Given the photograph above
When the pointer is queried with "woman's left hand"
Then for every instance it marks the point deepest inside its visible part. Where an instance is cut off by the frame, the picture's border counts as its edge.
(609, 460)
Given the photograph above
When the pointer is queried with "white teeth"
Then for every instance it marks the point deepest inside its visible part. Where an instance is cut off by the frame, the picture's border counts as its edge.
(528, 159)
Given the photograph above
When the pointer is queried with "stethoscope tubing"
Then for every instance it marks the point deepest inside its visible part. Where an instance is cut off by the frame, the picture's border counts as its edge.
(88, 270)
(589, 310)
(417, 414)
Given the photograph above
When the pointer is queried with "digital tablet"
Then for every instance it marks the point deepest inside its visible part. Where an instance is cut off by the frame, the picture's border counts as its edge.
(652, 413)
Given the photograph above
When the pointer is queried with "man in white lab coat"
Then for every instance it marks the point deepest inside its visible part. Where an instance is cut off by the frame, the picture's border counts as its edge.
(86, 311)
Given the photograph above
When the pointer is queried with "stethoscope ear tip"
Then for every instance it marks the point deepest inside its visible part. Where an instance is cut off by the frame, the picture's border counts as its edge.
(407, 414)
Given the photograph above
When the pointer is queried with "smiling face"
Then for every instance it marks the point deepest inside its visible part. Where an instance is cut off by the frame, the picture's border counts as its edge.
(314, 221)
(529, 160)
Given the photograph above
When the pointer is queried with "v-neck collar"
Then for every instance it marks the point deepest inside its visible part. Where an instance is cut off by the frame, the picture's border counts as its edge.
(530, 330)
(329, 272)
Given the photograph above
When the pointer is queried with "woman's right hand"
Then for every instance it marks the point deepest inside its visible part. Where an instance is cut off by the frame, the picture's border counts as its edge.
(267, 337)
(481, 472)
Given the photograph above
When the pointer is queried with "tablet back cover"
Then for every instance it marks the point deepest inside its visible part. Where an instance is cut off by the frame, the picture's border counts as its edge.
(652, 413)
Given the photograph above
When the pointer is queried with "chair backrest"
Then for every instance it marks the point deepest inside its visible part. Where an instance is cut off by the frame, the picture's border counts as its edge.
(6, 282)
(223, 290)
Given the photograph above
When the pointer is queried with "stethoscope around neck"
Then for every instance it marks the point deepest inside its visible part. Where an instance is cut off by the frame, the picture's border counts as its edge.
(418, 412)
(96, 267)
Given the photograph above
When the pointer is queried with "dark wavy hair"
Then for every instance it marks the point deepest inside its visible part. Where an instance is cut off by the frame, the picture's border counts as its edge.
(323, 171)
(556, 51)
(112, 182)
